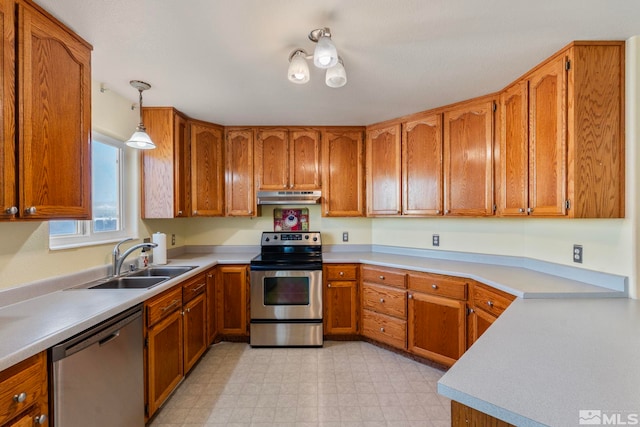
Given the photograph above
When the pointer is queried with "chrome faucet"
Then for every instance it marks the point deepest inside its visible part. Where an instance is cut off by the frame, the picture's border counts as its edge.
(118, 259)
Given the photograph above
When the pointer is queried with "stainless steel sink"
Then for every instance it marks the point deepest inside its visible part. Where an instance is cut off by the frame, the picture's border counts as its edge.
(129, 282)
(172, 271)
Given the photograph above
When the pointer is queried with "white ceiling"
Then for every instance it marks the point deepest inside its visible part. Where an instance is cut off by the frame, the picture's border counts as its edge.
(225, 61)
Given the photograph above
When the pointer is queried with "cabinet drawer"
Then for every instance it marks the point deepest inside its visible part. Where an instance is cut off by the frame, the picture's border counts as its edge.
(28, 377)
(341, 272)
(193, 287)
(164, 304)
(383, 328)
(385, 300)
(491, 300)
(439, 284)
(384, 276)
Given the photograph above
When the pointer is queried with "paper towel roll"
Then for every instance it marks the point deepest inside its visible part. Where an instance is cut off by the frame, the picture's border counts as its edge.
(160, 251)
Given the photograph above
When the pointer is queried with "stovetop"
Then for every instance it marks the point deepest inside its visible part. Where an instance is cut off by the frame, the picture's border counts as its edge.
(290, 250)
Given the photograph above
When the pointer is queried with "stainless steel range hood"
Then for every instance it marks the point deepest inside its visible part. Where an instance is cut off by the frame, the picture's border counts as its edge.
(289, 197)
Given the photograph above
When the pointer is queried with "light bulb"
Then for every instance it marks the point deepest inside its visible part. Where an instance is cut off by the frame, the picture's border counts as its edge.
(325, 54)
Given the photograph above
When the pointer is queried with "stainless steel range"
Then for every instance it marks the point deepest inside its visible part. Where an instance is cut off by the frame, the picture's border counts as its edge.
(286, 290)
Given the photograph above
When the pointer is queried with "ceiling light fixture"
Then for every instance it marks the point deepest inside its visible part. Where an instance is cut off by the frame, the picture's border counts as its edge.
(140, 139)
(325, 56)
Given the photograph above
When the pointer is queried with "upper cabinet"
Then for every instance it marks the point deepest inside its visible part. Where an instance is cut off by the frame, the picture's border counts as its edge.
(287, 159)
(207, 169)
(240, 189)
(468, 158)
(343, 172)
(562, 136)
(51, 96)
(383, 154)
(422, 165)
(166, 178)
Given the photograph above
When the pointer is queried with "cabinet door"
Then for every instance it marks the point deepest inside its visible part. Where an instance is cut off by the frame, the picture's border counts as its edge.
(55, 119)
(232, 300)
(422, 166)
(212, 324)
(479, 322)
(436, 327)
(240, 191)
(342, 173)
(8, 196)
(547, 139)
(468, 158)
(195, 330)
(304, 159)
(514, 150)
(340, 307)
(164, 359)
(207, 170)
(28, 419)
(182, 165)
(272, 159)
(384, 176)
(464, 416)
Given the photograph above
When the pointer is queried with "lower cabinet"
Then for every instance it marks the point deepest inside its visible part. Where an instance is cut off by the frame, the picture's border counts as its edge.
(232, 300)
(437, 314)
(24, 393)
(384, 305)
(340, 299)
(176, 337)
(212, 323)
(464, 416)
(484, 306)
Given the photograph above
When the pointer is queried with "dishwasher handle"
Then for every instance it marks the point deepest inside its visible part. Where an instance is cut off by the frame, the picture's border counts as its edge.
(101, 334)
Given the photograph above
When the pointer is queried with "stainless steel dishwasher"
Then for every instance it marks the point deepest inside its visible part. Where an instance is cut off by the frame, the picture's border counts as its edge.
(97, 375)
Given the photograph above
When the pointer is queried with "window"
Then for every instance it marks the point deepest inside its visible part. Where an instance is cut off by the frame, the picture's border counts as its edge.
(112, 219)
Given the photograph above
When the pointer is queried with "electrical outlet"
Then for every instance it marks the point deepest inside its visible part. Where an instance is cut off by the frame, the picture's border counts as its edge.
(173, 240)
(345, 236)
(435, 240)
(146, 240)
(577, 253)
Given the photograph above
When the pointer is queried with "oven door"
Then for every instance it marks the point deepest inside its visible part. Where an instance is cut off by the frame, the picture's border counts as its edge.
(286, 295)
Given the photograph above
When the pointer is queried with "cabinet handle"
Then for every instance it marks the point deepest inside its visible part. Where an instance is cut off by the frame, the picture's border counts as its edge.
(328, 285)
(179, 213)
(250, 212)
(40, 419)
(438, 211)
(410, 296)
(209, 275)
(30, 211)
(530, 210)
(173, 304)
(381, 329)
(202, 285)
(490, 303)
(381, 277)
(326, 212)
(19, 398)
(342, 273)
(521, 210)
(195, 213)
(12, 210)
(382, 300)
(284, 185)
(434, 286)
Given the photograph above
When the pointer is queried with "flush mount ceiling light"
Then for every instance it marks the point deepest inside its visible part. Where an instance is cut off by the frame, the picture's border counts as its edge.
(325, 56)
(140, 139)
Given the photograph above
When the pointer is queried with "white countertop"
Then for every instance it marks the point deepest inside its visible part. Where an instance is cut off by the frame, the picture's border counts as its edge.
(545, 360)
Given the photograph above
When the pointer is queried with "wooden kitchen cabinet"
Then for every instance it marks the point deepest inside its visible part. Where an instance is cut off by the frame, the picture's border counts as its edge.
(468, 158)
(24, 393)
(464, 416)
(194, 310)
(232, 300)
(384, 170)
(422, 162)
(384, 305)
(437, 317)
(212, 324)
(239, 178)
(340, 298)
(207, 169)
(166, 170)
(343, 177)
(566, 118)
(50, 178)
(287, 159)
(164, 347)
(486, 304)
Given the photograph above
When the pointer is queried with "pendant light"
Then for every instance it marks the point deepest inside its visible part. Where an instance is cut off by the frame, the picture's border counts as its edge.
(140, 139)
(298, 69)
(325, 56)
(336, 76)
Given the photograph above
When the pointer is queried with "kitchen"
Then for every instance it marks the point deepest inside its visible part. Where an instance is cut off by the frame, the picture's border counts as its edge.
(607, 243)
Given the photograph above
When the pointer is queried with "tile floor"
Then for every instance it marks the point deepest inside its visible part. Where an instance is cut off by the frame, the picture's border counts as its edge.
(341, 384)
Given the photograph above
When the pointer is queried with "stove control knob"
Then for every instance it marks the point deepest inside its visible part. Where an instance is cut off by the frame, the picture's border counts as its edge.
(315, 239)
(306, 236)
(275, 237)
(266, 239)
